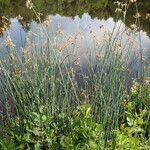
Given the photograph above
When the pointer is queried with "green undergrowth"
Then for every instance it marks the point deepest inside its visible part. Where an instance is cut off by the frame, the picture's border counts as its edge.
(75, 132)
(79, 131)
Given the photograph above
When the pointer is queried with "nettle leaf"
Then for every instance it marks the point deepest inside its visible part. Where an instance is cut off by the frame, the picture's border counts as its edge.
(42, 109)
(7, 145)
(28, 147)
(37, 131)
(35, 117)
(44, 118)
(21, 146)
(130, 121)
(26, 137)
(88, 111)
(49, 140)
(135, 130)
(18, 138)
(139, 121)
(66, 141)
(93, 145)
(37, 145)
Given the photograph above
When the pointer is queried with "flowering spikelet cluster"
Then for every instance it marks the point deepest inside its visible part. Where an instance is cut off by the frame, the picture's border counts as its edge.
(133, 26)
(19, 17)
(68, 42)
(77, 61)
(8, 42)
(59, 31)
(107, 36)
(147, 80)
(135, 87)
(29, 4)
(137, 15)
(147, 16)
(121, 7)
(48, 21)
(3, 24)
(133, 1)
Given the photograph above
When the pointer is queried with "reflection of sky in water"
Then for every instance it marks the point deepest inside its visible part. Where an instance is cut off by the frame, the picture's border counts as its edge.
(70, 26)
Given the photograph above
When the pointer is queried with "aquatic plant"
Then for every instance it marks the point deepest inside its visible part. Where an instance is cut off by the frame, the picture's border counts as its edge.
(44, 73)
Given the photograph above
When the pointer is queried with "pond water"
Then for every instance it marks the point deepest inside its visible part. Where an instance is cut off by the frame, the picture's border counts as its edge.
(89, 18)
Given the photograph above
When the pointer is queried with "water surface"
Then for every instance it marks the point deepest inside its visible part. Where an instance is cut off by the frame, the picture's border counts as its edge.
(87, 17)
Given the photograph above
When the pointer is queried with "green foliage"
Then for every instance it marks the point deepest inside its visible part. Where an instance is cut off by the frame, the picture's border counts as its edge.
(131, 135)
(126, 141)
(140, 94)
(139, 106)
(85, 133)
(75, 132)
(6, 144)
(40, 131)
(134, 133)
